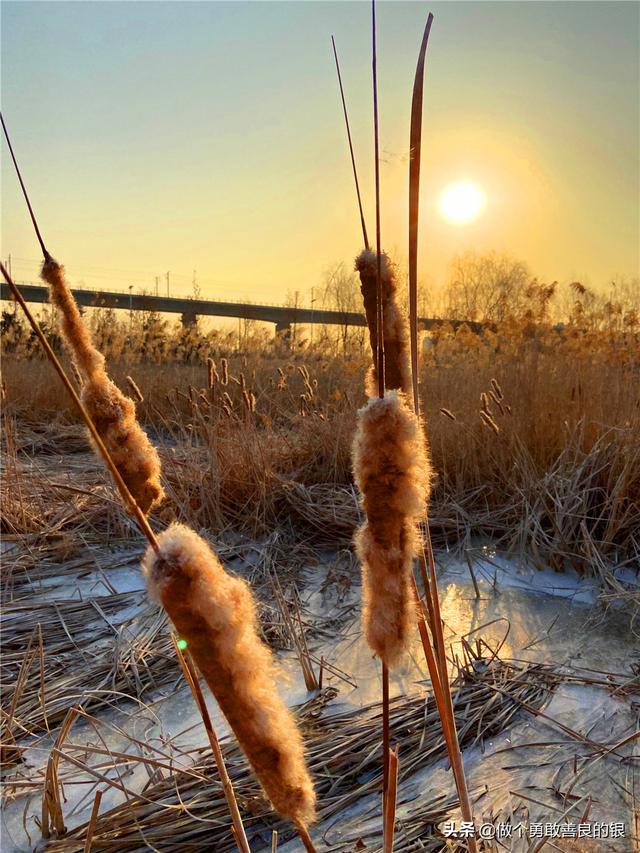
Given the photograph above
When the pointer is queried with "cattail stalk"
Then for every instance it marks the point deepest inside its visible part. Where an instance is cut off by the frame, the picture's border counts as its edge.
(113, 413)
(191, 677)
(216, 615)
(436, 663)
(137, 393)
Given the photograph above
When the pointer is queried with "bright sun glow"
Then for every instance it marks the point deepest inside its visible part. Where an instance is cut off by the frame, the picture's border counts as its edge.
(462, 202)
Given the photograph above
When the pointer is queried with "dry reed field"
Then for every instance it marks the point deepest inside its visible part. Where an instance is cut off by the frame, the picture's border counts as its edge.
(371, 589)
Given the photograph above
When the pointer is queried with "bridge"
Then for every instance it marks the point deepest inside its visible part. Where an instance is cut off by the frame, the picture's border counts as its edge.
(283, 317)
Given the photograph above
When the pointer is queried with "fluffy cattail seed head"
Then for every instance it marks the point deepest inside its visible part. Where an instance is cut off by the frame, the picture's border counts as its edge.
(391, 468)
(113, 414)
(76, 334)
(215, 613)
(396, 334)
(137, 460)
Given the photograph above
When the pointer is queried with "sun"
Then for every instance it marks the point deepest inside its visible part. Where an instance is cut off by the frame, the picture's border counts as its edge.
(462, 202)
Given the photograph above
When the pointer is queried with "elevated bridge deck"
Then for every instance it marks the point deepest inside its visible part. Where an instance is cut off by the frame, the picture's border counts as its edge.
(283, 317)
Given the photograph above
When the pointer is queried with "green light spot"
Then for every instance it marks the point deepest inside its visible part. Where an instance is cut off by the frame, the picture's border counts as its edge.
(182, 645)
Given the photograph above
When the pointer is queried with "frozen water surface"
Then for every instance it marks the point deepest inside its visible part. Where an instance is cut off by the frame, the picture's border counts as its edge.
(535, 769)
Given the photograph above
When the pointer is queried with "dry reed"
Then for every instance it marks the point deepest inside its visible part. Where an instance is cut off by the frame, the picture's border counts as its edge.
(216, 615)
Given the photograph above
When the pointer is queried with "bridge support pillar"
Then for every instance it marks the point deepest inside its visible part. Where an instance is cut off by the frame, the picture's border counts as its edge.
(188, 318)
(283, 331)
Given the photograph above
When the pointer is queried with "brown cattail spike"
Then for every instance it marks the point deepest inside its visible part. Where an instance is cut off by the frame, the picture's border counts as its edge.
(113, 414)
(396, 334)
(212, 373)
(392, 471)
(215, 613)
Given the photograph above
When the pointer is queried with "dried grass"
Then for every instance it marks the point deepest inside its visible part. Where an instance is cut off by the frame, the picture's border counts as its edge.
(189, 809)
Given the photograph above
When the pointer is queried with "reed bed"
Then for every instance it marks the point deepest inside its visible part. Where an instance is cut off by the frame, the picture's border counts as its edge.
(561, 479)
(343, 752)
(95, 645)
(64, 653)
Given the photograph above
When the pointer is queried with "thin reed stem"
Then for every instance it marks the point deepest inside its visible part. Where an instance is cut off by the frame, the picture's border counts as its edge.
(376, 145)
(92, 821)
(390, 804)
(24, 190)
(353, 158)
(127, 498)
(191, 677)
(455, 754)
(385, 732)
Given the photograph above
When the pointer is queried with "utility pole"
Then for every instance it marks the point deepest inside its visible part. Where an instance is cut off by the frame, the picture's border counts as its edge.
(167, 285)
(157, 284)
(130, 308)
(313, 301)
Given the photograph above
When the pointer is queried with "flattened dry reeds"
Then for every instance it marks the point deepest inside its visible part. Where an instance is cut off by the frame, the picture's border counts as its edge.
(391, 468)
(58, 653)
(216, 615)
(113, 414)
(488, 698)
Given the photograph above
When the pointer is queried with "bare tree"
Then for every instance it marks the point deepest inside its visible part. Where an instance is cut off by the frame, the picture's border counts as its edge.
(486, 287)
(341, 292)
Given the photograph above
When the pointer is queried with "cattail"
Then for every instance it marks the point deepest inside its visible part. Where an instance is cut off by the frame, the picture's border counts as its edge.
(495, 399)
(484, 400)
(448, 414)
(212, 373)
(487, 420)
(246, 398)
(243, 383)
(137, 393)
(497, 389)
(216, 615)
(224, 364)
(113, 414)
(396, 335)
(227, 401)
(391, 468)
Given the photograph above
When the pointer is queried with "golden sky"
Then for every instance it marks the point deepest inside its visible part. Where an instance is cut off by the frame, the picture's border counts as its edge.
(208, 136)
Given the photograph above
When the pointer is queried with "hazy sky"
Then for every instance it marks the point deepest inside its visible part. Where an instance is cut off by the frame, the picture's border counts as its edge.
(159, 136)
